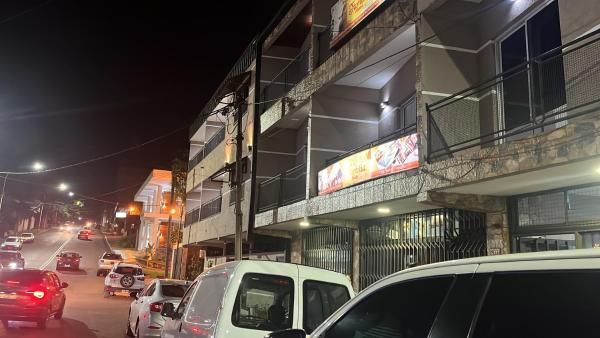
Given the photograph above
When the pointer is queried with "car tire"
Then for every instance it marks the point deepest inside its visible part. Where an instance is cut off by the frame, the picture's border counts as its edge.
(127, 281)
(59, 314)
(98, 273)
(41, 323)
(128, 331)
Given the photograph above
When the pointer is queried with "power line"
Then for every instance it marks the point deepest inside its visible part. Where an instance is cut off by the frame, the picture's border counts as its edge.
(25, 12)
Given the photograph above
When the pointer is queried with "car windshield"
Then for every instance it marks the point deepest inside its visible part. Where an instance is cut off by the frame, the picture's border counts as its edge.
(9, 255)
(173, 290)
(26, 235)
(12, 239)
(70, 255)
(112, 256)
(19, 277)
(129, 270)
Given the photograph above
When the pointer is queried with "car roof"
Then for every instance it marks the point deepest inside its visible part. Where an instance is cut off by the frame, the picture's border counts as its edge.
(9, 251)
(129, 265)
(64, 252)
(26, 233)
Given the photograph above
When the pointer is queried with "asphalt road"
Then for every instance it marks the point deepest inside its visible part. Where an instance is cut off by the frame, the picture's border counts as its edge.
(87, 313)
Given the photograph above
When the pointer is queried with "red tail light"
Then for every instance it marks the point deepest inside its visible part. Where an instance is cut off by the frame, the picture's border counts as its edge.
(156, 307)
(112, 275)
(37, 294)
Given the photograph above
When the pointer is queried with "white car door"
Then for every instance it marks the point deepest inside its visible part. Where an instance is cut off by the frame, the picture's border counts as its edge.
(172, 327)
(138, 305)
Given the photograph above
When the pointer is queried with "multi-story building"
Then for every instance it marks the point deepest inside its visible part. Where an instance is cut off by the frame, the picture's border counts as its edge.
(391, 133)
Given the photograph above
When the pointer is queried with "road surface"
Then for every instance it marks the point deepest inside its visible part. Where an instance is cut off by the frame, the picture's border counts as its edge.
(87, 313)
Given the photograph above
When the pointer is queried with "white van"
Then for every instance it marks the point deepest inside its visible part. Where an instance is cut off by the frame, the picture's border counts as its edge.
(252, 298)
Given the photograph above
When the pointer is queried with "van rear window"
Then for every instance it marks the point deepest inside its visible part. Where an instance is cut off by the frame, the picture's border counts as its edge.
(264, 302)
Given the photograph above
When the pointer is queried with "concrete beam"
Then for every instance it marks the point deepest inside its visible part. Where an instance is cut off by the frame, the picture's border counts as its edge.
(352, 224)
(480, 203)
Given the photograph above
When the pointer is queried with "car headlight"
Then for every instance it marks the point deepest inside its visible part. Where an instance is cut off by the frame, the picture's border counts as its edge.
(13, 265)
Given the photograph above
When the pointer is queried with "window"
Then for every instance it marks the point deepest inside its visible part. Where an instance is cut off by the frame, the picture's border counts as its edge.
(125, 270)
(172, 290)
(548, 304)
(405, 310)
(320, 301)
(185, 300)
(70, 255)
(264, 302)
(150, 290)
(19, 277)
(111, 255)
(205, 306)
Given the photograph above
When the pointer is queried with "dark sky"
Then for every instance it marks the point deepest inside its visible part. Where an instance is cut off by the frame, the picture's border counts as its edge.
(80, 79)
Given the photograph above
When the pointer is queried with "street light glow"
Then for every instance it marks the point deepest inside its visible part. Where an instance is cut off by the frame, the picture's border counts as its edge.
(71, 194)
(38, 166)
(63, 187)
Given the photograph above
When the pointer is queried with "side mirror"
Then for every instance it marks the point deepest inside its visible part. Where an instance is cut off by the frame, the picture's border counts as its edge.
(168, 310)
(289, 333)
(57, 256)
(134, 294)
(64, 285)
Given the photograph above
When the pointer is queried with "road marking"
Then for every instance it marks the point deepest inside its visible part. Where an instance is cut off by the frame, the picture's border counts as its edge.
(43, 266)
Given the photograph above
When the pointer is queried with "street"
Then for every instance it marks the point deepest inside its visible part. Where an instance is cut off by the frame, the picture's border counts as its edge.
(87, 313)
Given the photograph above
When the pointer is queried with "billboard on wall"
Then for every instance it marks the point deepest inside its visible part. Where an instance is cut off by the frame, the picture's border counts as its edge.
(381, 160)
(347, 14)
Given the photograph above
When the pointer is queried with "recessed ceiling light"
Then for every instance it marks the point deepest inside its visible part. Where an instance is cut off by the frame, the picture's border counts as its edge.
(383, 210)
(598, 170)
(304, 224)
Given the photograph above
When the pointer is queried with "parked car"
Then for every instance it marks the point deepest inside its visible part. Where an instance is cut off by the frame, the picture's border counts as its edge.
(144, 318)
(30, 295)
(27, 237)
(533, 295)
(12, 259)
(12, 243)
(106, 262)
(252, 298)
(68, 260)
(124, 277)
(83, 235)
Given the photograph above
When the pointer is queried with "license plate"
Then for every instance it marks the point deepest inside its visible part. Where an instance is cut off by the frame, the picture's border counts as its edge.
(8, 296)
(67, 265)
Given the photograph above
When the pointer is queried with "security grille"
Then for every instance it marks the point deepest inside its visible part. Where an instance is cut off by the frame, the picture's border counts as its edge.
(388, 245)
(328, 248)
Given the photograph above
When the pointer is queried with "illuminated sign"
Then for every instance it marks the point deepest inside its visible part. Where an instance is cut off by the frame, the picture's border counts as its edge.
(381, 160)
(347, 14)
(121, 214)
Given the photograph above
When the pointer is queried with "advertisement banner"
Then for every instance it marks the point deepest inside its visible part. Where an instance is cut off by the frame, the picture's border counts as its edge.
(347, 14)
(388, 158)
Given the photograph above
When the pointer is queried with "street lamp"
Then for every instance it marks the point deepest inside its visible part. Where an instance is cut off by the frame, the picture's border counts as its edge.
(71, 194)
(63, 187)
(38, 166)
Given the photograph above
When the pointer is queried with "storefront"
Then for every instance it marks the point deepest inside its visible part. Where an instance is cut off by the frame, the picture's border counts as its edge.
(562, 219)
(391, 244)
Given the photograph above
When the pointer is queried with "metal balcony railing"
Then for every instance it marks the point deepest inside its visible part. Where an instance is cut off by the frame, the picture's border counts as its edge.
(324, 52)
(537, 96)
(211, 208)
(233, 194)
(192, 216)
(286, 188)
(287, 79)
(209, 146)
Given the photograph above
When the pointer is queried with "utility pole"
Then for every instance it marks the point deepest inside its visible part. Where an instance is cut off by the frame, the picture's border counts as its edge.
(3, 187)
(239, 102)
(169, 226)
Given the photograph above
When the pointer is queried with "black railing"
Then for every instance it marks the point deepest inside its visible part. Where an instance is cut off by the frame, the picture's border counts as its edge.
(537, 96)
(283, 189)
(285, 80)
(324, 52)
(210, 208)
(192, 216)
(209, 146)
(233, 194)
(408, 130)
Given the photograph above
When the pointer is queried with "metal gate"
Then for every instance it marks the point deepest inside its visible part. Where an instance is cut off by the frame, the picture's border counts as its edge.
(328, 248)
(391, 244)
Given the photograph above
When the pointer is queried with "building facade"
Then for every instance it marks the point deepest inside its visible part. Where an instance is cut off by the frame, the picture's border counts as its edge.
(430, 130)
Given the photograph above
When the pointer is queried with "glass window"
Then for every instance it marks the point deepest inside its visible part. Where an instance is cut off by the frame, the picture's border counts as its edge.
(548, 304)
(185, 300)
(19, 277)
(111, 255)
(543, 209)
(320, 301)
(582, 205)
(206, 304)
(173, 290)
(547, 243)
(125, 270)
(150, 290)
(405, 310)
(264, 302)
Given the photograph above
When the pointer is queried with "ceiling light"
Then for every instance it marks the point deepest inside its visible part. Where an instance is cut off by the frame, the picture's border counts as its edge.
(598, 170)
(304, 224)
(383, 210)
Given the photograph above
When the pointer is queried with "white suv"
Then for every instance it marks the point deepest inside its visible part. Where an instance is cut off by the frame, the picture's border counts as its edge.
(107, 261)
(124, 277)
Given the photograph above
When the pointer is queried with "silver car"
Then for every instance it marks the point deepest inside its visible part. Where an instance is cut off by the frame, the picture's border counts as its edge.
(145, 319)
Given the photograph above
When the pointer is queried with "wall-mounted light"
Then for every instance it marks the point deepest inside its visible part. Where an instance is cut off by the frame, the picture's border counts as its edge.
(384, 104)
(383, 210)
(304, 224)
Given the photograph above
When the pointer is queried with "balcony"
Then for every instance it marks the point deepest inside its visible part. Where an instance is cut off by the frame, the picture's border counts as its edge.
(534, 97)
(285, 80)
(205, 211)
(286, 188)
(209, 146)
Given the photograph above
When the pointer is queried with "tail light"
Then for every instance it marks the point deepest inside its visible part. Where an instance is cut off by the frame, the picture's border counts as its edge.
(112, 275)
(156, 307)
(102, 261)
(37, 294)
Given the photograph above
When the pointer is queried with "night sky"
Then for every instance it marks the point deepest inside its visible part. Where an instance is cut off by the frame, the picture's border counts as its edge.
(80, 79)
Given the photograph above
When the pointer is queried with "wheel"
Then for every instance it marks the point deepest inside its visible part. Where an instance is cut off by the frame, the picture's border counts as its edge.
(127, 281)
(128, 332)
(59, 314)
(137, 328)
(98, 273)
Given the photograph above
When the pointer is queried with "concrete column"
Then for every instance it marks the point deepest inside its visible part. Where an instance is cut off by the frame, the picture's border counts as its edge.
(356, 260)
(296, 247)
(498, 240)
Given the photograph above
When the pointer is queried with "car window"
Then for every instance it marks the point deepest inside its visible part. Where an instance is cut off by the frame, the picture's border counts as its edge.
(185, 300)
(112, 256)
(403, 310)
(9, 255)
(320, 301)
(172, 290)
(70, 255)
(206, 303)
(150, 290)
(264, 302)
(129, 270)
(19, 277)
(548, 304)
(55, 279)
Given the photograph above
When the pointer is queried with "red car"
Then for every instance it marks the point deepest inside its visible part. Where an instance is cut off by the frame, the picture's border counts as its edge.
(31, 295)
(68, 260)
(83, 235)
